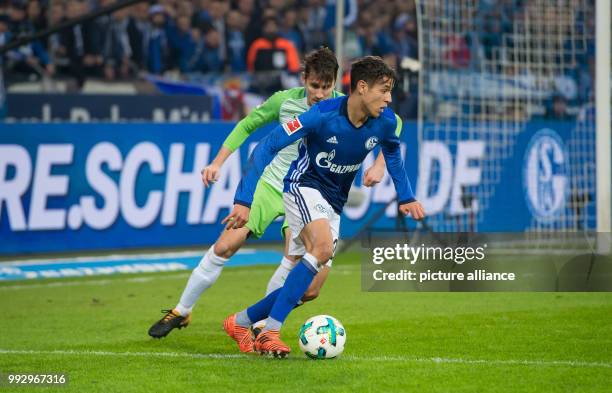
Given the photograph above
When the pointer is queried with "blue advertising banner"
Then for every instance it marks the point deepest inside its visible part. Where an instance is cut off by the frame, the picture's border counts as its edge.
(549, 181)
(116, 186)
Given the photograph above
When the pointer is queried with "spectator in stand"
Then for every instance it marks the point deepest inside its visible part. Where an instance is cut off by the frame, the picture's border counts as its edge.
(182, 43)
(193, 63)
(93, 41)
(157, 47)
(117, 50)
(18, 25)
(55, 47)
(269, 57)
(5, 34)
(586, 78)
(32, 58)
(491, 33)
(139, 29)
(271, 52)
(558, 110)
(210, 60)
(73, 42)
(405, 37)
(185, 8)
(200, 13)
(314, 23)
(95, 33)
(290, 29)
(215, 17)
(374, 42)
(36, 16)
(351, 9)
(201, 51)
(78, 44)
(253, 17)
(235, 40)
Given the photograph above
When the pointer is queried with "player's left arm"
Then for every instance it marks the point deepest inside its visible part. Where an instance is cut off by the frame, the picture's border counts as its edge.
(374, 174)
(390, 148)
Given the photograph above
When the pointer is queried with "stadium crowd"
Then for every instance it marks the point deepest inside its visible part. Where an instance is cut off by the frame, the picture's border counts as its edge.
(198, 35)
(194, 37)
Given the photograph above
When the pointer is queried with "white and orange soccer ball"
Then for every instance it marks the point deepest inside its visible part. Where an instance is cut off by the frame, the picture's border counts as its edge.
(322, 337)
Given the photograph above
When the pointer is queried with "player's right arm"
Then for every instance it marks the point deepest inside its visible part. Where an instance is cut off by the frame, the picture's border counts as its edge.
(281, 137)
(260, 116)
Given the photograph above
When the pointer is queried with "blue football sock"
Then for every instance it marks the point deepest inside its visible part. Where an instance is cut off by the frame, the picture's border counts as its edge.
(295, 286)
(261, 309)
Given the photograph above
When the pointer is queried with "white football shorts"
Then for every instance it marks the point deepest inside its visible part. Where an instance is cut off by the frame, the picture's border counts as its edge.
(304, 205)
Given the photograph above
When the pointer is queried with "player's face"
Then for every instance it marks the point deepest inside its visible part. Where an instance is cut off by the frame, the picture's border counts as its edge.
(317, 89)
(378, 96)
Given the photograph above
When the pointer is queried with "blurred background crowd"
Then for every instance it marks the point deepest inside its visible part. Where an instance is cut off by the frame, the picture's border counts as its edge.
(262, 40)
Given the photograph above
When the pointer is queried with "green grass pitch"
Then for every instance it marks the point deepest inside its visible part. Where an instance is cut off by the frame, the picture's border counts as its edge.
(95, 330)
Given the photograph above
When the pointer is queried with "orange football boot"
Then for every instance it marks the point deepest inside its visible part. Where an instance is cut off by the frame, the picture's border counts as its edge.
(268, 342)
(241, 335)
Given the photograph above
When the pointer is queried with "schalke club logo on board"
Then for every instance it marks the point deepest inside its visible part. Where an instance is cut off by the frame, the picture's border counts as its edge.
(545, 174)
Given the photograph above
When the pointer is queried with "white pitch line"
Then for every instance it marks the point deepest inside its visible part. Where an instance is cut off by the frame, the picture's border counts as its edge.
(507, 362)
(485, 362)
(118, 257)
(168, 275)
(78, 283)
(125, 354)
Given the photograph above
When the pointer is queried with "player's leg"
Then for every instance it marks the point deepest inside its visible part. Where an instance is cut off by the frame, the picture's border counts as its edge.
(311, 220)
(282, 271)
(280, 274)
(267, 202)
(287, 298)
(209, 269)
(202, 277)
(317, 283)
(287, 263)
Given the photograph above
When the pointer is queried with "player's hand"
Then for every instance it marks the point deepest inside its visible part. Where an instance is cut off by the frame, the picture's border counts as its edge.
(210, 174)
(237, 218)
(373, 175)
(414, 209)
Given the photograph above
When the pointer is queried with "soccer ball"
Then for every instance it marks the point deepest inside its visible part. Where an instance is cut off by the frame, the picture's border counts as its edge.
(322, 337)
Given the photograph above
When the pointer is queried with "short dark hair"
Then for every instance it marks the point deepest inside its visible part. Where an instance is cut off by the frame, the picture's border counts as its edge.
(322, 63)
(370, 69)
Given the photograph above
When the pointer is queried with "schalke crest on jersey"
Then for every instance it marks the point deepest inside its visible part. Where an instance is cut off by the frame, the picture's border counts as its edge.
(371, 143)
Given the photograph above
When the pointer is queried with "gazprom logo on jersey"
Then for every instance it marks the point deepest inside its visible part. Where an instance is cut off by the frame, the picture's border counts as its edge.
(324, 160)
(545, 174)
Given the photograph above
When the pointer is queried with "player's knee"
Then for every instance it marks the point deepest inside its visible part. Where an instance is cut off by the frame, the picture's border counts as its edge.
(323, 253)
(311, 294)
(223, 249)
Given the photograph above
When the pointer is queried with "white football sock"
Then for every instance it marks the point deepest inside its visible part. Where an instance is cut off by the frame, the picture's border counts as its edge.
(280, 275)
(277, 281)
(202, 278)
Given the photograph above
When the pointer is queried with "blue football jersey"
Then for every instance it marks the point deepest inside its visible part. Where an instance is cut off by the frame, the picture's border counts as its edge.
(330, 154)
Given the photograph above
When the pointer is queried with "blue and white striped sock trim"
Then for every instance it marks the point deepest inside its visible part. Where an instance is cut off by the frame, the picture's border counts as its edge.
(311, 263)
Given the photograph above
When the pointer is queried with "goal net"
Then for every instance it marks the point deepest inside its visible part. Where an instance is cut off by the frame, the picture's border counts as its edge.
(492, 72)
